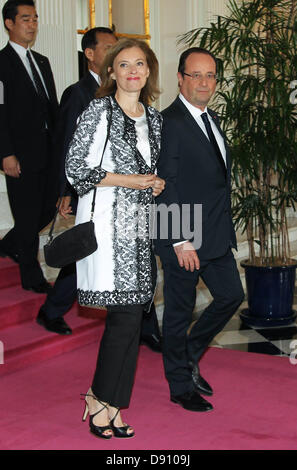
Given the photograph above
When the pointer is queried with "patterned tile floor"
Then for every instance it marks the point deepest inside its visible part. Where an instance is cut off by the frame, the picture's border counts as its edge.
(278, 341)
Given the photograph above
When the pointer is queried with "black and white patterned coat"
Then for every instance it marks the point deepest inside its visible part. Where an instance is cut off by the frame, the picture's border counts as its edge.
(120, 271)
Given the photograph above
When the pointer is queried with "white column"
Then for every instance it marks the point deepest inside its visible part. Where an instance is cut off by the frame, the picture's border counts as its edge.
(214, 8)
(155, 42)
(3, 33)
(196, 13)
(57, 39)
(101, 8)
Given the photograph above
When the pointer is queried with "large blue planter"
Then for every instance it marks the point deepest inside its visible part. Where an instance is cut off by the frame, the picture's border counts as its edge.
(270, 295)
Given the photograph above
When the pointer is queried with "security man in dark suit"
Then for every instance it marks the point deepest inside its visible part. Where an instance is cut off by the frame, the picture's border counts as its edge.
(27, 121)
(195, 163)
(95, 44)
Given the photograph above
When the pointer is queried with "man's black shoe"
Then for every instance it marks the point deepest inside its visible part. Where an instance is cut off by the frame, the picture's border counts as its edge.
(42, 288)
(200, 383)
(57, 325)
(192, 401)
(152, 342)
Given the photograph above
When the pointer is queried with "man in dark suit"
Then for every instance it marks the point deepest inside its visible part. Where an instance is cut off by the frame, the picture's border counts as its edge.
(95, 44)
(27, 120)
(195, 164)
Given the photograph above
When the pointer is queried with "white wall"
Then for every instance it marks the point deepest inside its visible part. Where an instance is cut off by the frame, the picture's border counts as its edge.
(101, 8)
(124, 21)
(169, 20)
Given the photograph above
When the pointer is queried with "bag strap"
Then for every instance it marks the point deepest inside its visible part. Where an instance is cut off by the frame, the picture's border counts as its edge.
(93, 203)
(106, 140)
(50, 235)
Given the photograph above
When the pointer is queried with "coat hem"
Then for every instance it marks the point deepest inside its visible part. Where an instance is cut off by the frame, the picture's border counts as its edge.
(102, 299)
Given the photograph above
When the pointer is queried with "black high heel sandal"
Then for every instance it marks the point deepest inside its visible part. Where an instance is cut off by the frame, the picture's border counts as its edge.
(97, 430)
(121, 431)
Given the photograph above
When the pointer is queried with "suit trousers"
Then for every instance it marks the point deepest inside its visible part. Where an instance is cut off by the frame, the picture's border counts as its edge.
(117, 358)
(182, 344)
(63, 294)
(32, 201)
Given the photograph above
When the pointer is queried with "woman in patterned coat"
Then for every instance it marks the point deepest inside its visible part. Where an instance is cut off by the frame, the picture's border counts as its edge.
(120, 128)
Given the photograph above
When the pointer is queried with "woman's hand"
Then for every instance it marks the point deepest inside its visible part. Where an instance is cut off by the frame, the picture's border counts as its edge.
(140, 181)
(128, 181)
(159, 186)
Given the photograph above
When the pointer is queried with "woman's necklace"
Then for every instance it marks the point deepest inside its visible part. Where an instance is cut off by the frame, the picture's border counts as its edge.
(137, 113)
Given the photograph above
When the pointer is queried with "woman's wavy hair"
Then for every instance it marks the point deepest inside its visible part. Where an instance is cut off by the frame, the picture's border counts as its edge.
(150, 91)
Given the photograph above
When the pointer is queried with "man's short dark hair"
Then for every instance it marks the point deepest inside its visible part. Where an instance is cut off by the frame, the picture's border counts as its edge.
(192, 50)
(90, 40)
(10, 9)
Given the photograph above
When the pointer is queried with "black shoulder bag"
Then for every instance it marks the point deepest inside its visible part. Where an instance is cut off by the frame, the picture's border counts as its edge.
(76, 243)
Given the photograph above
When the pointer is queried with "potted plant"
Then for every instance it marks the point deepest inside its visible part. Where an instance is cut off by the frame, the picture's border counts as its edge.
(256, 47)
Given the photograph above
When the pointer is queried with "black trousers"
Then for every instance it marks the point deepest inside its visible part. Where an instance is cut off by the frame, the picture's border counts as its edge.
(32, 201)
(63, 294)
(222, 279)
(117, 358)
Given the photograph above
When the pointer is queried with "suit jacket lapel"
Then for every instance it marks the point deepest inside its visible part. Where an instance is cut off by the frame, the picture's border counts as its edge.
(44, 72)
(90, 85)
(217, 123)
(20, 68)
(191, 121)
(199, 133)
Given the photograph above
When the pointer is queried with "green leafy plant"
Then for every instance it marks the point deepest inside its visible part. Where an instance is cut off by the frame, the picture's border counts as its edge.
(256, 47)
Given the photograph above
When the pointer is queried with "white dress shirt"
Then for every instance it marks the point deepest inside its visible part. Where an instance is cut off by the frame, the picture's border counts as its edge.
(96, 76)
(21, 51)
(196, 113)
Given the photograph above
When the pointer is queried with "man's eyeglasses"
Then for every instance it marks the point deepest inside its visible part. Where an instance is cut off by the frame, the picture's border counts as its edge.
(199, 76)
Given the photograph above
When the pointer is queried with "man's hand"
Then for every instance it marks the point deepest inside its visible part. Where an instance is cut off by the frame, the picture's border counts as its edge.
(65, 207)
(187, 256)
(11, 166)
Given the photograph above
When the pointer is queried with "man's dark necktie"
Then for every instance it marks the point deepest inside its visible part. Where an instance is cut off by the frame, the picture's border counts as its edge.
(40, 89)
(213, 140)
